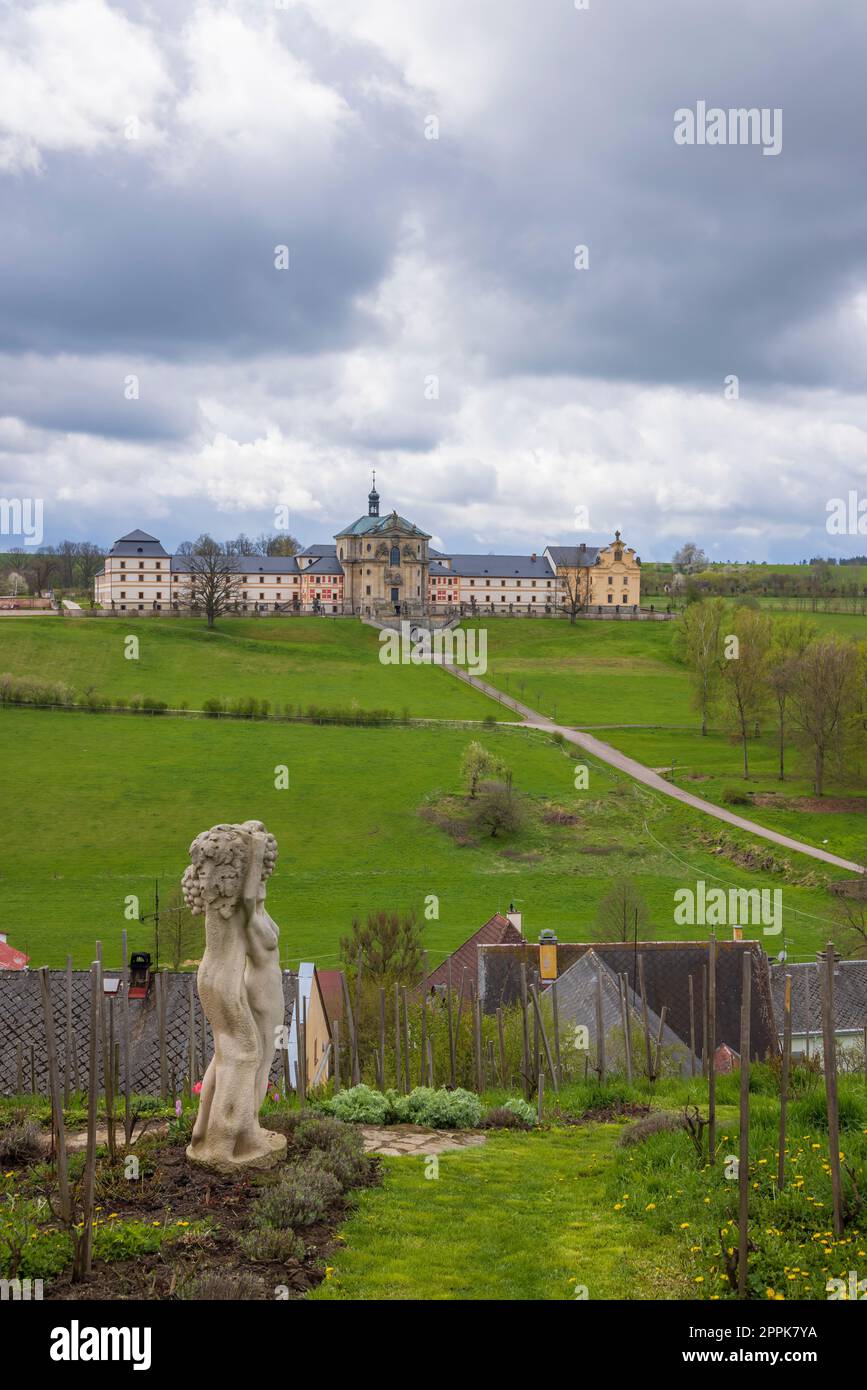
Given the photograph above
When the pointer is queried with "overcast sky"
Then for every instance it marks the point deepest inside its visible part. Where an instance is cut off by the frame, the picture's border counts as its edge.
(432, 322)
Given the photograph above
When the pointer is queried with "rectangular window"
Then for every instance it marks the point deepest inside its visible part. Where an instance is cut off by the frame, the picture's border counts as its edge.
(123, 595)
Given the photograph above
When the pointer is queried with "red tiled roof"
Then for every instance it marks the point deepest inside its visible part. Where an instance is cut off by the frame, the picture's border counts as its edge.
(499, 931)
(10, 959)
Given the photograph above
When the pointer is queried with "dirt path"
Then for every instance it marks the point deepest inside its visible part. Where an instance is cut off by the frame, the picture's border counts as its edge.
(606, 754)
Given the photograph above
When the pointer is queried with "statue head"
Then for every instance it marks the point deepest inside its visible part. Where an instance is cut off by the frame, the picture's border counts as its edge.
(221, 859)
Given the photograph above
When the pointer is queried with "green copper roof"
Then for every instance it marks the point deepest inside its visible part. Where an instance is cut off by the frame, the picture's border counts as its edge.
(373, 525)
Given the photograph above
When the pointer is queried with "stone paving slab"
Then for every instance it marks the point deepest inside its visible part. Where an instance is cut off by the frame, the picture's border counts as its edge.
(399, 1141)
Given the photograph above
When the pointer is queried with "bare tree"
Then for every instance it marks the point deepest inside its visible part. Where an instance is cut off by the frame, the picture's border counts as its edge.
(824, 701)
(622, 913)
(212, 585)
(576, 590)
(89, 561)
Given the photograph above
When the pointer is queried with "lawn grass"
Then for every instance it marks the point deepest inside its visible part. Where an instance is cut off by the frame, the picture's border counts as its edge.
(296, 662)
(433, 1238)
(106, 804)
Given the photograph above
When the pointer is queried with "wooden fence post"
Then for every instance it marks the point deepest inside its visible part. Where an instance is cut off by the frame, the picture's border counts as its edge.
(600, 1028)
(501, 1040)
(67, 1070)
(56, 1105)
(335, 1030)
(711, 1047)
(382, 1037)
(398, 1069)
(555, 1010)
(784, 1083)
(525, 1036)
(541, 1025)
(450, 1021)
(406, 1060)
(691, 1027)
(643, 992)
(744, 1145)
(829, 1038)
(623, 985)
(86, 1245)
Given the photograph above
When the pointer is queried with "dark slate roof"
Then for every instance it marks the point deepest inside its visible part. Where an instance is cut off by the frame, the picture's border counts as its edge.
(370, 525)
(138, 543)
(576, 1003)
(667, 967)
(320, 550)
(502, 566)
(435, 567)
(465, 960)
(326, 564)
(21, 1019)
(573, 556)
(247, 564)
(850, 995)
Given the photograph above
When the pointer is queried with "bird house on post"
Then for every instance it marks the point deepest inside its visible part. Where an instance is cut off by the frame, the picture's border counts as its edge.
(547, 955)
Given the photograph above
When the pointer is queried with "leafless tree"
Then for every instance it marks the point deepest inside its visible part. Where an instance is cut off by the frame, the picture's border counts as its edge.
(824, 701)
(212, 584)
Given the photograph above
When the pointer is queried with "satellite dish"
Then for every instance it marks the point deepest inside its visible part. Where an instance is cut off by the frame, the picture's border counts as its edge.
(782, 957)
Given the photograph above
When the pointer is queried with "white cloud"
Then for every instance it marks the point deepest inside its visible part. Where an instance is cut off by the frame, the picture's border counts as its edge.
(72, 73)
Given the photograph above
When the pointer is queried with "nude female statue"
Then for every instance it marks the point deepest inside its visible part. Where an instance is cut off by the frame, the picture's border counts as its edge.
(241, 991)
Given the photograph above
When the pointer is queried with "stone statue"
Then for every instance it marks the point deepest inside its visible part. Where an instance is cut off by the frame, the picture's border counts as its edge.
(241, 990)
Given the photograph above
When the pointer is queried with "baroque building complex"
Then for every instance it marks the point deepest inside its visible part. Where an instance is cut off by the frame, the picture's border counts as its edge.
(377, 567)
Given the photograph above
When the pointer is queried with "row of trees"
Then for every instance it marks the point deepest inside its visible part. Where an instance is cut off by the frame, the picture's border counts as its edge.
(69, 565)
(268, 543)
(749, 665)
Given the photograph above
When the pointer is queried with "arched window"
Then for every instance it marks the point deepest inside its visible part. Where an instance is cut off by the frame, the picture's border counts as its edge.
(395, 555)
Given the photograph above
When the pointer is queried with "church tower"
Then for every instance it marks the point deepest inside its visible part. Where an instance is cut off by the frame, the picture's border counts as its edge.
(373, 499)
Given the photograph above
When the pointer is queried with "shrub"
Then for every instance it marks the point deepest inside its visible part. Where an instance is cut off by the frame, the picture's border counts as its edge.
(20, 1143)
(522, 1109)
(212, 707)
(735, 796)
(502, 1118)
(336, 1148)
(301, 1198)
(443, 1109)
(659, 1122)
(359, 1105)
(266, 1244)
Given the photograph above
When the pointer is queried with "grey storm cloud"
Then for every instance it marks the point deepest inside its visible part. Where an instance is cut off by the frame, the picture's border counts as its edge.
(413, 259)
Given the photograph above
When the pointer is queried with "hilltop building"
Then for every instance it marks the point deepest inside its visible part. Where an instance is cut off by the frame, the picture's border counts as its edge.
(381, 566)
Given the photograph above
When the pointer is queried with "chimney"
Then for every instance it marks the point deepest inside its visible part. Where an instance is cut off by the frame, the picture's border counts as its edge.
(547, 955)
(737, 933)
(583, 545)
(516, 918)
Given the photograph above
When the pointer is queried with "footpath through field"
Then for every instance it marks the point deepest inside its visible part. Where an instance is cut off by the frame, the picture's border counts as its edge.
(606, 754)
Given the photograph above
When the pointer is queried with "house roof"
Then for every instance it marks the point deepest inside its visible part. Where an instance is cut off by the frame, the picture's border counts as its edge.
(576, 1002)
(371, 525)
(331, 987)
(246, 564)
(437, 567)
(138, 543)
(10, 959)
(850, 995)
(502, 566)
(320, 550)
(465, 960)
(326, 564)
(574, 556)
(667, 968)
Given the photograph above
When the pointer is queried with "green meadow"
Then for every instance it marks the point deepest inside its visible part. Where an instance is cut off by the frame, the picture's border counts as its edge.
(100, 806)
(331, 662)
